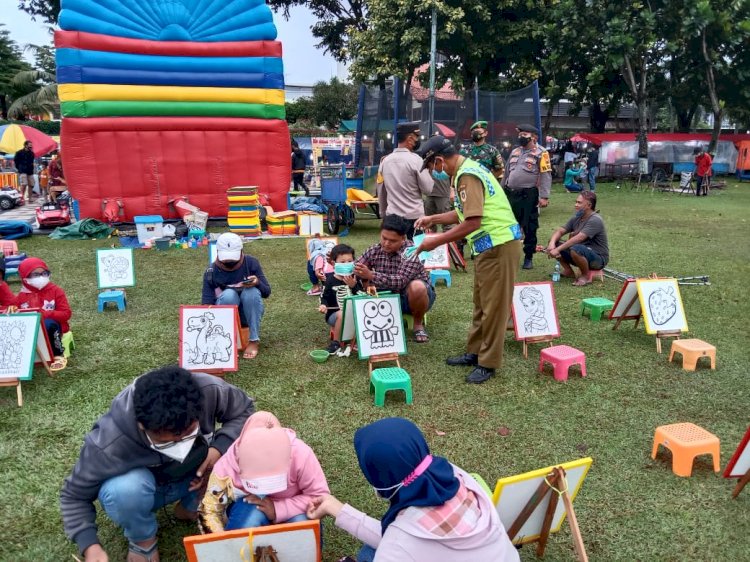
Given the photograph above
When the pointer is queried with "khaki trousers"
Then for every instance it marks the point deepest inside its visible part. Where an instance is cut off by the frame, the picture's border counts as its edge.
(494, 275)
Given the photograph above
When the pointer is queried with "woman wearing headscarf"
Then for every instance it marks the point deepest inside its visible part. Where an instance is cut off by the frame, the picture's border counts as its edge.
(436, 510)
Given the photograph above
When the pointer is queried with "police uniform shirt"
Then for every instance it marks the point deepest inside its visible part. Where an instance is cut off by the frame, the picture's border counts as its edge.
(529, 168)
(403, 184)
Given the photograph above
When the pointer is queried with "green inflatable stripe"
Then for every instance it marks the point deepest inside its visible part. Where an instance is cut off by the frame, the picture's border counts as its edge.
(170, 108)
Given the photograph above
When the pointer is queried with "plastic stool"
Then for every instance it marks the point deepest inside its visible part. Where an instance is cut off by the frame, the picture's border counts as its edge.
(561, 357)
(117, 297)
(9, 247)
(481, 483)
(686, 441)
(692, 350)
(389, 378)
(11, 272)
(596, 306)
(596, 273)
(69, 343)
(438, 275)
(409, 321)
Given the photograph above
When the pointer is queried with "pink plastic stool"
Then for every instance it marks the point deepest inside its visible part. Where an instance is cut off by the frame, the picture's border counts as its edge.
(561, 357)
(596, 274)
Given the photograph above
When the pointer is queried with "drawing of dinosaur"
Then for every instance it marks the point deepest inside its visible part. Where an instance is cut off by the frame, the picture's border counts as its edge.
(211, 343)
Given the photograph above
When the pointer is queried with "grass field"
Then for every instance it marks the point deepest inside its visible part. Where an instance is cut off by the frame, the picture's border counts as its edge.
(630, 507)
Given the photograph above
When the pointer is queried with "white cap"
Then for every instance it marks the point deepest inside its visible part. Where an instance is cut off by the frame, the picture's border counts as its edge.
(229, 247)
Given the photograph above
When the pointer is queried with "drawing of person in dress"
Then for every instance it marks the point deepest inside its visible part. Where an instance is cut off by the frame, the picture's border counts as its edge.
(533, 303)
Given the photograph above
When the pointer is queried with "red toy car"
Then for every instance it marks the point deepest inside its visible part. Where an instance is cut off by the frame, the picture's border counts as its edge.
(52, 215)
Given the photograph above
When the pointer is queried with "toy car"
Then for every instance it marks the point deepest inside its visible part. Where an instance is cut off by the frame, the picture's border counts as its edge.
(9, 198)
(52, 215)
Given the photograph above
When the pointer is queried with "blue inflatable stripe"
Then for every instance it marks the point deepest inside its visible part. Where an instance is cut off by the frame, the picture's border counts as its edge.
(183, 20)
(161, 63)
(93, 75)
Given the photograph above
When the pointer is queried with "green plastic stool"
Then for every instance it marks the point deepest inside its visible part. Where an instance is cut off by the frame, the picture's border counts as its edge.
(409, 321)
(69, 343)
(482, 483)
(389, 378)
(596, 306)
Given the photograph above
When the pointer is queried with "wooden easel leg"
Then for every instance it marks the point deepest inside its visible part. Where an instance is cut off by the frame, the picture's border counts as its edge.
(548, 515)
(658, 344)
(46, 368)
(740, 485)
(19, 394)
(525, 349)
(528, 509)
(574, 530)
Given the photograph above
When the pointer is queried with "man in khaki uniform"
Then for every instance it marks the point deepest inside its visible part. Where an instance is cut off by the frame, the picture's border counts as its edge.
(484, 217)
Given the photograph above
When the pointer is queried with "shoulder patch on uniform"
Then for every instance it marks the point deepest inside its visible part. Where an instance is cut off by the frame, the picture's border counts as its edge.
(544, 163)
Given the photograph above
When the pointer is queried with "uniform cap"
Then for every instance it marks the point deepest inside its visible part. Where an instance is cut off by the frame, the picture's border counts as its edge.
(482, 124)
(526, 128)
(406, 128)
(435, 146)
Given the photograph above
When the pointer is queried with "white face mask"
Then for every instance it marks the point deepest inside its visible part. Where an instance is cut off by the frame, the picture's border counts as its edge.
(266, 485)
(177, 451)
(37, 282)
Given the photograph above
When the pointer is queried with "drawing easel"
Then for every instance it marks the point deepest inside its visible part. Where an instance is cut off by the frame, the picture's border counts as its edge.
(540, 339)
(17, 384)
(741, 484)
(41, 353)
(674, 328)
(632, 310)
(739, 465)
(543, 294)
(556, 485)
(663, 335)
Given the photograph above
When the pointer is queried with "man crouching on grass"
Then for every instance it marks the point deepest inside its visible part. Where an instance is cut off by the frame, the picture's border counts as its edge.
(155, 446)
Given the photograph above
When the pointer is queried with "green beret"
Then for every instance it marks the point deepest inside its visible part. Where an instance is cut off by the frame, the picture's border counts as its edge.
(478, 124)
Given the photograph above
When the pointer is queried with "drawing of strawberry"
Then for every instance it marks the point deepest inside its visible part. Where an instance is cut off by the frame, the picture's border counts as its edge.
(662, 305)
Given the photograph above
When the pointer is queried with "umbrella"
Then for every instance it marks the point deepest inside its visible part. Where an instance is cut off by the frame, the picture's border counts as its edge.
(447, 132)
(13, 136)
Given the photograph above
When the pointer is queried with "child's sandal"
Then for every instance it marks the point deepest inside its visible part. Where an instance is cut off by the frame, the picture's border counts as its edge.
(58, 364)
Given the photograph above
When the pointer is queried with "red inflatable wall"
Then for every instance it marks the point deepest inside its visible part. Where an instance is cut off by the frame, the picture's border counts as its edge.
(143, 162)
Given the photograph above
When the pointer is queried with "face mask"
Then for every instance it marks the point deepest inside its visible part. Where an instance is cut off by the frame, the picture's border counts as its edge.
(523, 141)
(179, 450)
(441, 175)
(343, 268)
(230, 264)
(37, 282)
(417, 144)
(476, 136)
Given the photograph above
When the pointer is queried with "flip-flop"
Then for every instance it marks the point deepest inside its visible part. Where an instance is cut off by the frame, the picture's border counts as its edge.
(58, 364)
(250, 353)
(581, 282)
(421, 336)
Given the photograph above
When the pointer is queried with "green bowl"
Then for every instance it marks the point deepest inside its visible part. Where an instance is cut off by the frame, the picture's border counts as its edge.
(319, 355)
(306, 286)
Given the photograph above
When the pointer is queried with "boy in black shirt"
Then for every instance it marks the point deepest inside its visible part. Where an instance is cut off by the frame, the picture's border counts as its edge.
(338, 285)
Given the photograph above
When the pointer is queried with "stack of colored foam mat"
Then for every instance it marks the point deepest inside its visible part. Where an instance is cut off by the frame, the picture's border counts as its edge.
(168, 99)
(283, 223)
(244, 213)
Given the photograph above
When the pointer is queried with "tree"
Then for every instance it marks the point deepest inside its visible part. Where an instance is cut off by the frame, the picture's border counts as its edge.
(39, 83)
(299, 110)
(333, 102)
(12, 64)
(47, 10)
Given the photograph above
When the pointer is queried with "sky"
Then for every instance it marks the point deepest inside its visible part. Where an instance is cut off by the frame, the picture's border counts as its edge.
(304, 64)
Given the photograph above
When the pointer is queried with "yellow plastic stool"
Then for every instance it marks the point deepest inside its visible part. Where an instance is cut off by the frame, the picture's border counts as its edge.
(686, 441)
(69, 343)
(692, 350)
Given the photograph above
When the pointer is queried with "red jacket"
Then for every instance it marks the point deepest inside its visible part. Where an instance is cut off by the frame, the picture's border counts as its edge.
(703, 164)
(51, 300)
(7, 297)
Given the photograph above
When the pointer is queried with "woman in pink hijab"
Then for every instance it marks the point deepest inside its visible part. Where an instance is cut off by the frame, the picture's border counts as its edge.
(267, 476)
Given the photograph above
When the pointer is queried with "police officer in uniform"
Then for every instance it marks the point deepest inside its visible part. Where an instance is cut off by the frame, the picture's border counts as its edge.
(485, 218)
(527, 182)
(483, 152)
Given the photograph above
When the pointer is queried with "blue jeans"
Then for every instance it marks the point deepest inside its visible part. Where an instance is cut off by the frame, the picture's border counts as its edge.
(366, 554)
(251, 307)
(54, 333)
(574, 187)
(311, 274)
(594, 260)
(131, 499)
(243, 515)
(593, 172)
(405, 299)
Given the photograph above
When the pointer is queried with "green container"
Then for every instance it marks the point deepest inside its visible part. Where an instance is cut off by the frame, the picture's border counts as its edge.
(319, 355)
(162, 243)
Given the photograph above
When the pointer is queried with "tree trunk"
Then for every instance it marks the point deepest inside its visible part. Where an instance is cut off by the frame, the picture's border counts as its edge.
(638, 91)
(598, 117)
(3, 107)
(642, 128)
(548, 118)
(685, 120)
(716, 106)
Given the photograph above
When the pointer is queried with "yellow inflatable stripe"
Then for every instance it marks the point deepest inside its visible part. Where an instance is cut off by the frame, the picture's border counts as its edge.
(115, 92)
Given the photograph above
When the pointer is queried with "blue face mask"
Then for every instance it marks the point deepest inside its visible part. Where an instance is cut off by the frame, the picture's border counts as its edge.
(343, 268)
(440, 175)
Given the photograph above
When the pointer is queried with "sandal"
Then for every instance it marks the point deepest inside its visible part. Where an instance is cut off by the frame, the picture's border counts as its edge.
(581, 281)
(58, 364)
(139, 554)
(251, 352)
(421, 336)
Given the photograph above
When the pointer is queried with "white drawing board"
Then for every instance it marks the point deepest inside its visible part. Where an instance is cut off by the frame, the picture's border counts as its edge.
(379, 325)
(513, 493)
(296, 542)
(662, 305)
(628, 293)
(115, 267)
(534, 311)
(348, 332)
(21, 341)
(739, 464)
(209, 337)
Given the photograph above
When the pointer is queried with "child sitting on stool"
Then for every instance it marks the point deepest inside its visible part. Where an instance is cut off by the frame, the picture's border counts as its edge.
(38, 293)
(341, 283)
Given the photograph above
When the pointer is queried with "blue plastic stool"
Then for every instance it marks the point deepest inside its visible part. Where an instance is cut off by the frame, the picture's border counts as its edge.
(440, 274)
(11, 272)
(117, 297)
(389, 378)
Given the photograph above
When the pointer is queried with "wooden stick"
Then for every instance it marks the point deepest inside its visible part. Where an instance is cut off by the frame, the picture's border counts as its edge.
(558, 483)
(741, 484)
(574, 530)
(17, 384)
(624, 315)
(528, 509)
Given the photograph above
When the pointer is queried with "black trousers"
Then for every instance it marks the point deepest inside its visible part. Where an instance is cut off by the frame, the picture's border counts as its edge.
(299, 182)
(525, 205)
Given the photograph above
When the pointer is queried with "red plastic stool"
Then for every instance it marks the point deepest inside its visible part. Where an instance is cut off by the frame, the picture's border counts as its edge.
(561, 357)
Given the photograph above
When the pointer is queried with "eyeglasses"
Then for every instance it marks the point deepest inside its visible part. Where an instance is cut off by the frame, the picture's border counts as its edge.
(170, 444)
(38, 275)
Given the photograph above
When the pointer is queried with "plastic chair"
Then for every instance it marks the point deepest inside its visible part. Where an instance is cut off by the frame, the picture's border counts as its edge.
(596, 274)
(116, 297)
(438, 275)
(686, 441)
(562, 357)
(409, 321)
(9, 247)
(69, 343)
(596, 306)
(692, 350)
(389, 378)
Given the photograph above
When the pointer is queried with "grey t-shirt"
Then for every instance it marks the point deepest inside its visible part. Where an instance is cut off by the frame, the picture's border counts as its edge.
(593, 228)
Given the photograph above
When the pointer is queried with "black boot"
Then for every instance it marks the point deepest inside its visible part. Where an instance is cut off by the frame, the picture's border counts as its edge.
(465, 360)
(480, 374)
(528, 264)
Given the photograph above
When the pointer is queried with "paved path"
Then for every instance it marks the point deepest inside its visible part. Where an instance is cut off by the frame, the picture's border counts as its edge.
(25, 213)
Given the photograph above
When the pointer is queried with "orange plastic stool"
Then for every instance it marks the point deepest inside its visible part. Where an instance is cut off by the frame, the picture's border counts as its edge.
(686, 441)
(692, 350)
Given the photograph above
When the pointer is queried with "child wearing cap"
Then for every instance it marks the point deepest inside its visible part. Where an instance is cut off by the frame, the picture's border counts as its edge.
(340, 283)
(40, 294)
(267, 476)
(237, 279)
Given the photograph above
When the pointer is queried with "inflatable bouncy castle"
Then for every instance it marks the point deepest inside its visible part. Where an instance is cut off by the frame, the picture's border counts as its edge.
(165, 100)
